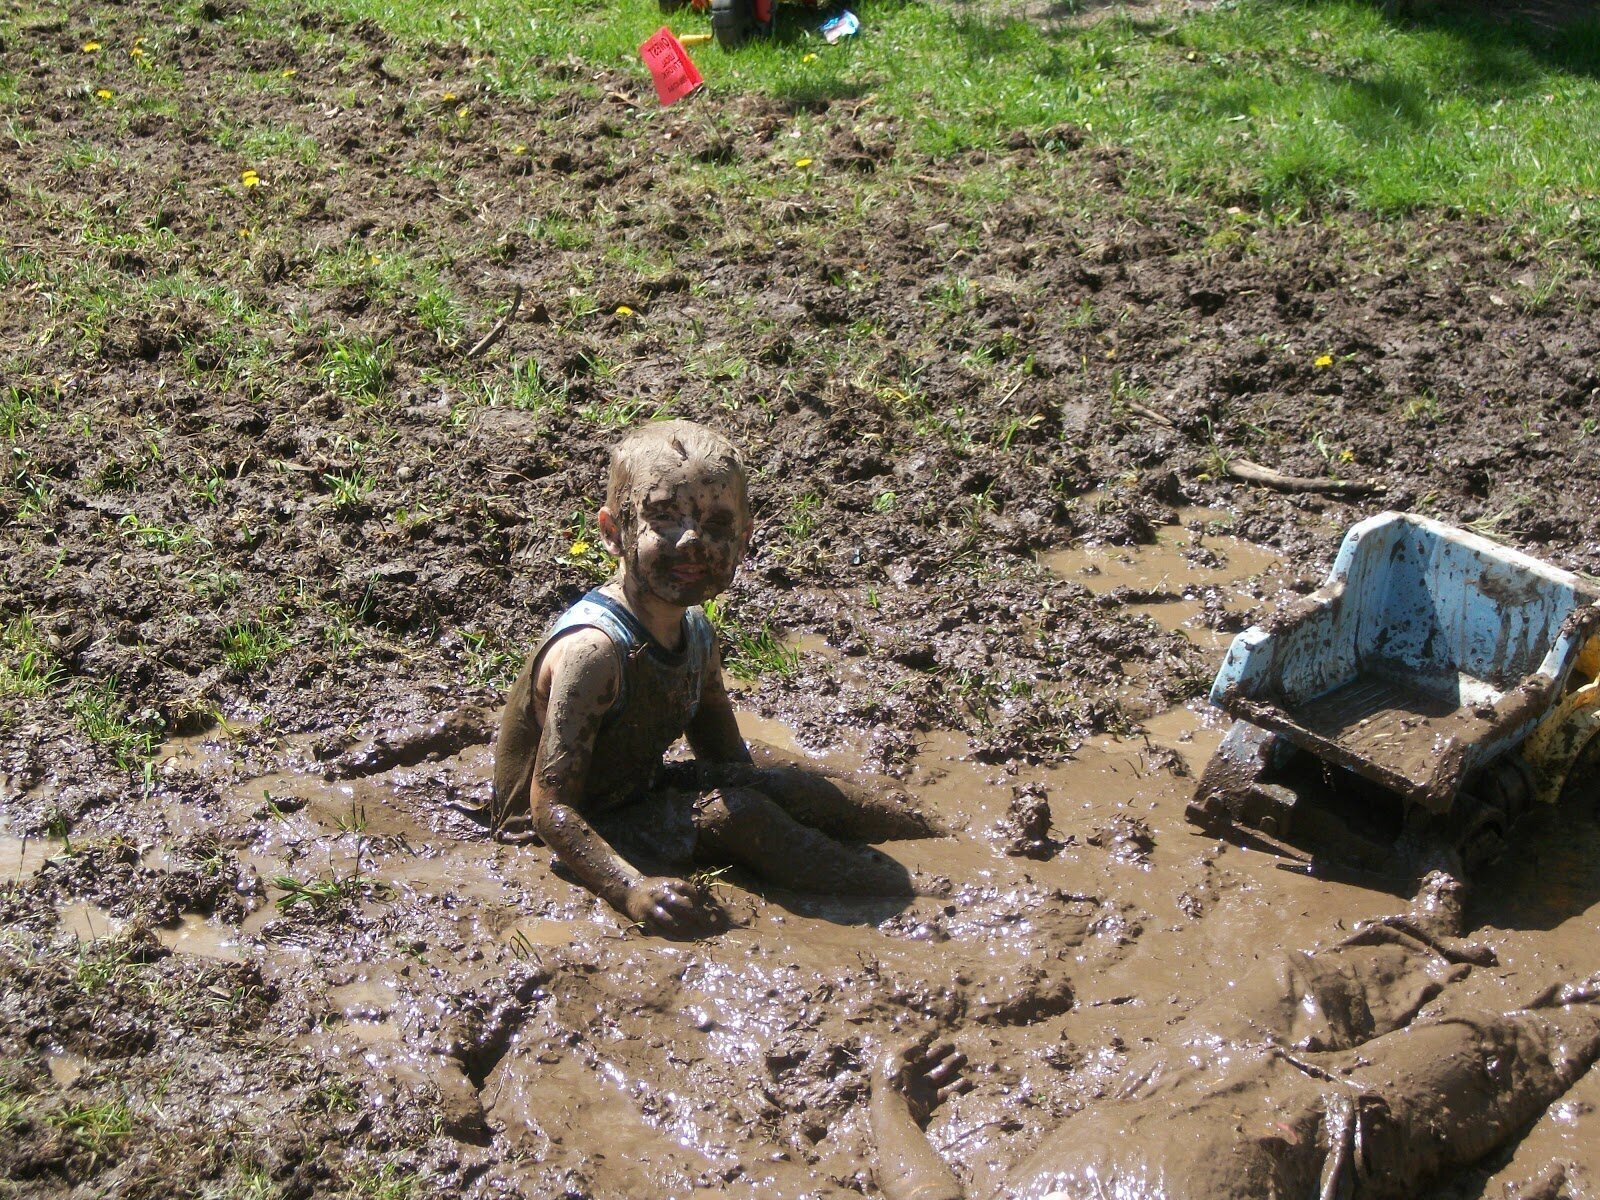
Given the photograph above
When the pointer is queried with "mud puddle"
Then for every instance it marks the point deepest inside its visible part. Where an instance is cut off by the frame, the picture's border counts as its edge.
(192, 934)
(1193, 579)
(737, 1062)
(21, 857)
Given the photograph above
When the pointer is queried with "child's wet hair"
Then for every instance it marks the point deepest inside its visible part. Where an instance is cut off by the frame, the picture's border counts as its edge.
(660, 446)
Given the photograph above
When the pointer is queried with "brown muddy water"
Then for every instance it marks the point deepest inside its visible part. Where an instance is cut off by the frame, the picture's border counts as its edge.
(626, 1066)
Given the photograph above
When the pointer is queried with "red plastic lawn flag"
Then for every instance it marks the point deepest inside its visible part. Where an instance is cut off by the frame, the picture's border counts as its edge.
(670, 66)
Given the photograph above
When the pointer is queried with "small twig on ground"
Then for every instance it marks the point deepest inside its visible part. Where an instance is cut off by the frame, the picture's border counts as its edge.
(1149, 414)
(1250, 472)
(500, 326)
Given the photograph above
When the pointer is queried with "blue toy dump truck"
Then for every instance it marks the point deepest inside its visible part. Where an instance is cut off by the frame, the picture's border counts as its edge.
(1434, 688)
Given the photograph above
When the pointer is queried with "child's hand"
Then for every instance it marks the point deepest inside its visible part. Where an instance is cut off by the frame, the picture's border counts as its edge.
(925, 1073)
(669, 906)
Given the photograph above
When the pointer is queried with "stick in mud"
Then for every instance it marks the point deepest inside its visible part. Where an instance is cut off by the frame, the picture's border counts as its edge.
(1253, 472)
(499, 329)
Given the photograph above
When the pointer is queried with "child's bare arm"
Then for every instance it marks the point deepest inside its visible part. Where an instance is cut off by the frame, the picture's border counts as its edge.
(583, 681)
(907, 1085)
(714, 733)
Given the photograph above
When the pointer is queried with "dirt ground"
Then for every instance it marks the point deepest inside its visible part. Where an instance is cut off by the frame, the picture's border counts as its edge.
(991, 404)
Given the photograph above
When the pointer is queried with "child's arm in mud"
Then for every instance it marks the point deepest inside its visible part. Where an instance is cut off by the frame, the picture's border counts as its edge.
(583, 681)
(907, 1085)
(714, 733)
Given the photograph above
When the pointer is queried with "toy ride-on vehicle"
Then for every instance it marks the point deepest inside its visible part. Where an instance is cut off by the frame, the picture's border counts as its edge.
(1405, 714)
(733, 22)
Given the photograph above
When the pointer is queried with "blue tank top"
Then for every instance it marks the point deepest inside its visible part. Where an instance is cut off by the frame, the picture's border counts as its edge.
(658, 696)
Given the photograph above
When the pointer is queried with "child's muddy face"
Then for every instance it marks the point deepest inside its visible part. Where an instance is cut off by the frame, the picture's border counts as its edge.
(689, 534)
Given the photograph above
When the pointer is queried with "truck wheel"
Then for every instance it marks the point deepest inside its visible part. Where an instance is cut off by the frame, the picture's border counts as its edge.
(732, 21)
(1231, 788)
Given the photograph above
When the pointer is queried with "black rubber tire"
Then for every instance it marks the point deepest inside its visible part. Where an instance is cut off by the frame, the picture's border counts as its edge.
(732, 22)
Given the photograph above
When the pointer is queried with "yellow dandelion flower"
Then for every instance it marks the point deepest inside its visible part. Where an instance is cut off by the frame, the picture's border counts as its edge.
(802, 162)
(578, 548)
(1347, 456)
(809, 58)
(104, 94)
(288, 73)
(246, 232)
(136, 52)
(90, 47)
(1323, 360)
(519, 148)
(248, 178)
(449, 96)
(624, 311)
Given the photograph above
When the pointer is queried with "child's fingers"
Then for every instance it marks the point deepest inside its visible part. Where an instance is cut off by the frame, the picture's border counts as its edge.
(957, 1088)
(941, 1061)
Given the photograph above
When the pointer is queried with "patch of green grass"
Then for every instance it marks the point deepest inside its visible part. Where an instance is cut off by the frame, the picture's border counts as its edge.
(382, 1181)
(1281, 104)
(348, 490)
(20, 413)
(104, 962)
(490, 661)
(357, 368)
(157, 537)
(243, 1181)
(15, 1109)
(25, 665)
(751, 652)
(96, 1127)
(803, 517)
(247, 645)
(320, 891)
(615, 413)
(101, 715)
(440, 314)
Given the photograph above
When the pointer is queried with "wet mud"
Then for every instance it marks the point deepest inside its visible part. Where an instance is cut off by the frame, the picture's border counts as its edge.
(254, 942)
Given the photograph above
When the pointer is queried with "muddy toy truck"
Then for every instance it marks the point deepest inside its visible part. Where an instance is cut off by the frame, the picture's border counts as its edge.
(1405, 714)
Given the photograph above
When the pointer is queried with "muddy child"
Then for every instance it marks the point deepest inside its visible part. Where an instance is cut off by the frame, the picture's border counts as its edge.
(633, 666)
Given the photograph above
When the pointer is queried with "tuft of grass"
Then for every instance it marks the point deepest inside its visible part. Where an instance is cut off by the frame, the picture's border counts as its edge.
(357, 368)
(101, 964)
(586, 551)
(439, 313)
(101, 715)
(244, 1181)
(751, 652)
(490, 661)
(96, 1127)
(19, 413)
(25, 665)
(157, 537)
(15, 1109)
(348, 490)
(321, 891)
(247, 645)
(382, 1181)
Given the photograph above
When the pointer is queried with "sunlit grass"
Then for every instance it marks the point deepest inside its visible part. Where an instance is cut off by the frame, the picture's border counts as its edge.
(1283, 105)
